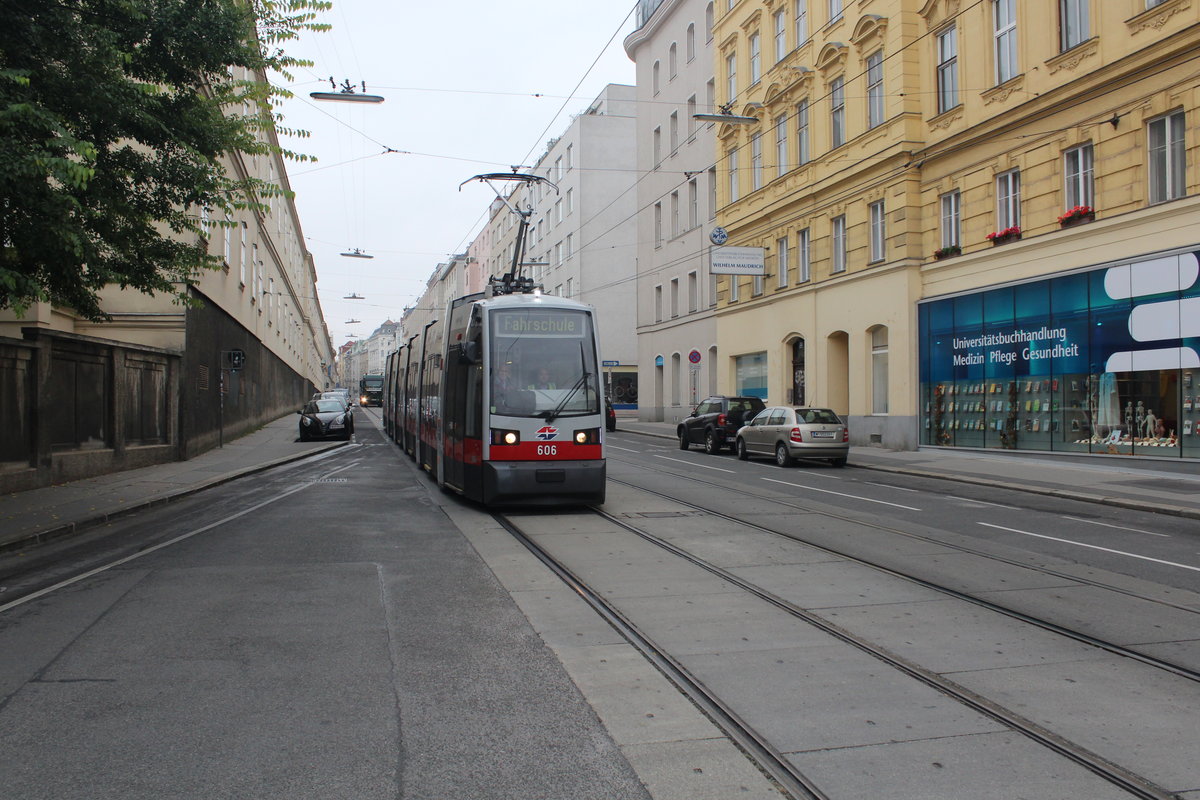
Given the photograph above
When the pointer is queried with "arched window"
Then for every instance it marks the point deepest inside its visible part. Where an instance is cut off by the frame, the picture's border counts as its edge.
(673, 61)
(690, 41)
(708, 23)
(654, 77)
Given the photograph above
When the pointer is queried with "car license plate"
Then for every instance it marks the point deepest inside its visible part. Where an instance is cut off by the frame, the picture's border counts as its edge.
(333, 425)
(822, 434)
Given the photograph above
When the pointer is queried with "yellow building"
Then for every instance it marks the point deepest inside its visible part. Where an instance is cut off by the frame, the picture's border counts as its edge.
(910, 167)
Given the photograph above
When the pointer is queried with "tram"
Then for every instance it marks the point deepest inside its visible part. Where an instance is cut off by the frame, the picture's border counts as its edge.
(502, 401)
(500, 398)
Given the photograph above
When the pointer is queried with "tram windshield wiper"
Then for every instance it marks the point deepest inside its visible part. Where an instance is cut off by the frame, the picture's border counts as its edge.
(550, 416)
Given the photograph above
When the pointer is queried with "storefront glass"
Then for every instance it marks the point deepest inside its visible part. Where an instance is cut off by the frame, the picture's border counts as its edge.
(1099, 361)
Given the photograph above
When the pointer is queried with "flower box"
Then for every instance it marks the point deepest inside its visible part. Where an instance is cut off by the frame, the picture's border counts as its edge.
(946, 252)
(1006, 235)
(1076, 215)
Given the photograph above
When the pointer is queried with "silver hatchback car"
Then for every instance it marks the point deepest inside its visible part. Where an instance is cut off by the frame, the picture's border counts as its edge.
(788, 433)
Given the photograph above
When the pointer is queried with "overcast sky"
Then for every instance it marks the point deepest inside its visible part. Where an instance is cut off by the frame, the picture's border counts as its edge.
(470, 87)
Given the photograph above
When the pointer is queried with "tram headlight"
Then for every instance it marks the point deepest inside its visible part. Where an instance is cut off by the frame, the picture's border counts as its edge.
(587, 436)
(505, 437)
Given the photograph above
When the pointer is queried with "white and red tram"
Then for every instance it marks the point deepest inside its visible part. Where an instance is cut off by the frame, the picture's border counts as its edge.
(501, 400)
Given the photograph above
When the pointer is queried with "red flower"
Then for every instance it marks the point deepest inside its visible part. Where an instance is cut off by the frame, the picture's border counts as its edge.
(1075, 213)
(1015, 230)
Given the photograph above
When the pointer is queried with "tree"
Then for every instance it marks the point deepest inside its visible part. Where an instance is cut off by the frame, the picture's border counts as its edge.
(114, 116)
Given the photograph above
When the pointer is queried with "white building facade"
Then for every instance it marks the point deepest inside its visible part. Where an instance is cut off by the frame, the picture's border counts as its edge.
(676, 201)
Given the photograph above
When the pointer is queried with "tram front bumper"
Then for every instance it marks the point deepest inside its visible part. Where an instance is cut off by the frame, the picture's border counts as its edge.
(534, 483)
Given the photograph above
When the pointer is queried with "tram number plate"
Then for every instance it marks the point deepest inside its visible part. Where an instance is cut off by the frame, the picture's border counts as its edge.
(547, 449)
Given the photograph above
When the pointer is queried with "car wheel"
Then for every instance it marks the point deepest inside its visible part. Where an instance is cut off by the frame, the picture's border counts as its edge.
(741, 449)
(711, 445)
(683, 439)
(838, 462)
(782, 457)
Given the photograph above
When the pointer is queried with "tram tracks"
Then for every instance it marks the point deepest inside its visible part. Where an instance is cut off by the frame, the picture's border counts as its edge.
(1180, 670)
(758, 747)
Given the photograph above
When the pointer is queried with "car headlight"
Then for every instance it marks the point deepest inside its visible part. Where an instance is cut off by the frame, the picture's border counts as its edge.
(305, 421)
(341, 419)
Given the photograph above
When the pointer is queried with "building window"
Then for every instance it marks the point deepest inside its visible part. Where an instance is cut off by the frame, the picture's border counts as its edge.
(1008, 200)
(558, 211)
(570, 158)
(781, 245)
(756, 286)
(654, 71)
(1074, 26)
(693, 203)
(780, 35)
(731, 77)
(674, 297)
(657, 139)
(802, 133)
(835, 10)
(837, 104)
(712, 192)
(558, 254)
(781, 148)
(658, 305)
(243, 255)
(690, 42)
(708, 22)
(570, 200)
(733, 176)
(838, 244)
(756, 161)
(1166, 158)
(569, 245)
(875, 89)
(672, 61)
(750, 375)
(1080, 176)
(803, 257)
(734, 288)
(755, 58)
(1004, 14)
(947, 70)
(693, 292)
(674, 132)
(675, 214)
(658, 225)
(691, 115)
(879, 370)
(878, 232)
(710, 95)
(951, 219)
(801, 22)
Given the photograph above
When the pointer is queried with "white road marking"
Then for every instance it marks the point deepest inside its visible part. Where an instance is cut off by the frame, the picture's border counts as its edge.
(993, 505)
(622, 449)
(897, 488)
(1092, 546)
(693, 464)
(1118, 527)
(161, 545)
(842, 494)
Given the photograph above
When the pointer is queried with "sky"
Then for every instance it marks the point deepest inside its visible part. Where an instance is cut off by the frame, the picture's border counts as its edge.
(470, 87)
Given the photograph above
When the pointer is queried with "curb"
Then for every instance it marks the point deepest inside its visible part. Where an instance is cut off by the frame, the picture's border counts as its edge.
(1117, 502)
(102, 518)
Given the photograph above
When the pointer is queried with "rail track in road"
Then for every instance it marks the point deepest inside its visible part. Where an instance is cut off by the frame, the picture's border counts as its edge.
(759, 748)
(1182, 670)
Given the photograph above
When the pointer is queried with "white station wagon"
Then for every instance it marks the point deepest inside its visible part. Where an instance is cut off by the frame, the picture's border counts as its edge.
(788, 433)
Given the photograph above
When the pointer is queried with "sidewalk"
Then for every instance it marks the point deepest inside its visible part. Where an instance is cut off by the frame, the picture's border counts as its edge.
(38, 515)
(1145, 485)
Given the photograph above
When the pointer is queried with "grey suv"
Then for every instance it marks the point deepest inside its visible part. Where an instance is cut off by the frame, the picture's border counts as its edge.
(715, 422)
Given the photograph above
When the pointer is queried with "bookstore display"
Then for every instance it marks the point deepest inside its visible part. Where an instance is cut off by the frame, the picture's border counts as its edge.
(1152, 413)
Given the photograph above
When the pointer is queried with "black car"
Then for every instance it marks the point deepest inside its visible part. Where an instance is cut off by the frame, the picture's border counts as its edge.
(610, 415)
(715, 422)
(323, 418)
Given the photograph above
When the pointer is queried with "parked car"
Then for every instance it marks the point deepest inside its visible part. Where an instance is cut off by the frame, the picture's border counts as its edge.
(610, 415)
(715, 422)
(336, 394)
(788, 433)
(325, 417)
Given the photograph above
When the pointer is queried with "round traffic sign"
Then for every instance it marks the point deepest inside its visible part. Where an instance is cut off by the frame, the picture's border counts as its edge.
(694, 356)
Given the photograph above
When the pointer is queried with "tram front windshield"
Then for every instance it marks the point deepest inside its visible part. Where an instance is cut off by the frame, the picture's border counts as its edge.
(543, 363)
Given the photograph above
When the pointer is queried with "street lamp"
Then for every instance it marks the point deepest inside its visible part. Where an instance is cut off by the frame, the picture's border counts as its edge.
(347, 94)
(728, 116)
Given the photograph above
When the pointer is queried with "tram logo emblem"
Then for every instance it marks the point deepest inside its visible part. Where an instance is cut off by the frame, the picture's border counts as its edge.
(547, 433)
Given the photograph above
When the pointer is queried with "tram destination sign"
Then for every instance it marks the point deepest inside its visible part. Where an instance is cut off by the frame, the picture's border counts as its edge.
(542, 324)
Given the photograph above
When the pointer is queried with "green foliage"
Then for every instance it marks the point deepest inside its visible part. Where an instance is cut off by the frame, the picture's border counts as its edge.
(114, 117)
